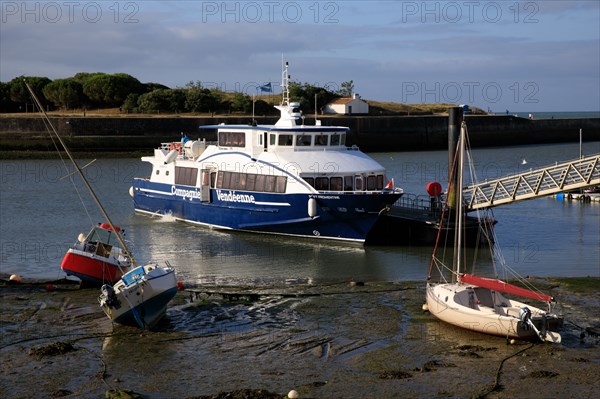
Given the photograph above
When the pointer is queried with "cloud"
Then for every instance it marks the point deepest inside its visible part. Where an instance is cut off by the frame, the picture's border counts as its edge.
(379, 45)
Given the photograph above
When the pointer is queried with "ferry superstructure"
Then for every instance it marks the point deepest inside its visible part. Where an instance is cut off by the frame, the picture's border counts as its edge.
(287, 178)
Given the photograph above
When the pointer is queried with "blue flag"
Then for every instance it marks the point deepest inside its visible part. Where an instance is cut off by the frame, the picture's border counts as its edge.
(266, 88)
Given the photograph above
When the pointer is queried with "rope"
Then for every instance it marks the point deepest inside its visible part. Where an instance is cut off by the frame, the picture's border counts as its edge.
(496, 385)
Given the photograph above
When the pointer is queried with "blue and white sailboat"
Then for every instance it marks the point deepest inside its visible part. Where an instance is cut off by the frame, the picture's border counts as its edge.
(288, 178)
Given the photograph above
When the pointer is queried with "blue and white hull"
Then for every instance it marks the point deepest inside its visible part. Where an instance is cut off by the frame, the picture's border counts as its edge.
(141, 297)
(335, 216)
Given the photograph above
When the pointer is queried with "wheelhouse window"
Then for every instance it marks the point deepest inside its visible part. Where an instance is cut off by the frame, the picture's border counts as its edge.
(303, 140)
(232, 139)
(321, 139)
(285, 140)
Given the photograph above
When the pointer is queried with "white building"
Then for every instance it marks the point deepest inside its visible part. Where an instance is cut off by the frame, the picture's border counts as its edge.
(347, 106)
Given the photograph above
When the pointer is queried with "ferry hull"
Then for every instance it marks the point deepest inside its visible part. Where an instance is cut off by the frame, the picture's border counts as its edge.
(338, 216)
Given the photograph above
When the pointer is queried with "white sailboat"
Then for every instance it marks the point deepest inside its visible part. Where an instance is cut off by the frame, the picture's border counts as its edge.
(142, 294)
(478, 303)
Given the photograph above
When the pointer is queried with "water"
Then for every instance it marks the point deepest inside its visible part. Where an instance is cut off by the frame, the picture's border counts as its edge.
(41, 215)
(559, 115)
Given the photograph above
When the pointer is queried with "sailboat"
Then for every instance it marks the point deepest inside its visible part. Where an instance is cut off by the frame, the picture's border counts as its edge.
(142, 294)
(97, 258)
(479, 303)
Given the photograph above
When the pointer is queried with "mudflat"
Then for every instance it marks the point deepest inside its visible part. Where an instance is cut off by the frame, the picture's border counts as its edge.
(339, 340)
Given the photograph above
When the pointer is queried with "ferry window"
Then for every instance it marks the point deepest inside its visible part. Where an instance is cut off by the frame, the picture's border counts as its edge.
(343, 139)
(186, 176)
(213, 177)
(310, 180)
(270, 184)
(242, 182)
(335, 139)
(235, 180)
(280, 184)
(272, 139)
(285, 139)
(250, 182)
(226, 179)
(157, 172)
(303, 140)
(322, 183)
(335, 184)
(348, 186)
(358, 183)
(321, 139)
(371, 182)
(260, 182)
(232, 139)
(260, 138)
(379, 182)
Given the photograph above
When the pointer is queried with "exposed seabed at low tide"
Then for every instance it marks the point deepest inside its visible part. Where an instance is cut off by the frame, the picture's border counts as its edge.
(325, 341)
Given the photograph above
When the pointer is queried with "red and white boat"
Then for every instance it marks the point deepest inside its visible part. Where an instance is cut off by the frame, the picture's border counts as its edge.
(97, 258)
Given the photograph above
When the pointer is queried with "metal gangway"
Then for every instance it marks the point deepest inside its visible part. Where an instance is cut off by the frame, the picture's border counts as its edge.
(576, 174)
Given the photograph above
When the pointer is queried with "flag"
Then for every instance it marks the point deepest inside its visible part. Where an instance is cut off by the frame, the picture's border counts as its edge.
(389, 185)
(266, 88)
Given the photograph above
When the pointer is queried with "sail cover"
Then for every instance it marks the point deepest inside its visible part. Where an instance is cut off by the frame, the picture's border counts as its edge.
(499, 285)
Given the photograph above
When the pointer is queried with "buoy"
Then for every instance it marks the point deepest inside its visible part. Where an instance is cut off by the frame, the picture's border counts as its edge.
(425, 307)
(131, 191)
(512, 341)
(434, 189)
(293, 394)
(180, 285)
(15, 278)
(50, 287)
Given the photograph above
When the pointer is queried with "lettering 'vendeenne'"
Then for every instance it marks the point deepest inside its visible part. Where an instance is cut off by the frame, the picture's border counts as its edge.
(231, 196)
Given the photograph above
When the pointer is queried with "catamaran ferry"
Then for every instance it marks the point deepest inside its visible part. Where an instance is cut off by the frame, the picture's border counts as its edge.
(288, 178)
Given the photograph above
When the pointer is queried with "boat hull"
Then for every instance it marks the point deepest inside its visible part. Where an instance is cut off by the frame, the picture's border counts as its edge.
(338, 216)
(471, 308)
(90, 268)
(141, 301)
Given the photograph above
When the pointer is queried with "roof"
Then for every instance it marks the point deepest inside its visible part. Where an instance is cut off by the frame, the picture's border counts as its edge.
(344, 100)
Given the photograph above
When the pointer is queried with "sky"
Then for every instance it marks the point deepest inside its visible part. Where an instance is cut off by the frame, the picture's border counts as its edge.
(521, 56)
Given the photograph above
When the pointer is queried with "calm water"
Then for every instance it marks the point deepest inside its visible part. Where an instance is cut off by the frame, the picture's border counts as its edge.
(41, 215)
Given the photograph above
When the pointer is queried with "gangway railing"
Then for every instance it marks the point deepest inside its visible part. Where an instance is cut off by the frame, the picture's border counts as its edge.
(580, 173)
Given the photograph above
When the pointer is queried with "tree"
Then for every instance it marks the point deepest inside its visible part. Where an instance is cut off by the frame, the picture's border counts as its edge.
(110, 90)
(241, 103)
(67, 93)
(19, 93)
(346, 89)
(6, 104)
(305, 95)
(162, 100)
(130, 105)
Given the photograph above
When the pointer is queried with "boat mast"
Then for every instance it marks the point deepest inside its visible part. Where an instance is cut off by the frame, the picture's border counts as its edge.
(79, 171)
(459, 202)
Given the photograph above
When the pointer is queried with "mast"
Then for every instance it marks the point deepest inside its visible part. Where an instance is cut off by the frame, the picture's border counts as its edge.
(285, 84)
(79, 171)
(459, 214)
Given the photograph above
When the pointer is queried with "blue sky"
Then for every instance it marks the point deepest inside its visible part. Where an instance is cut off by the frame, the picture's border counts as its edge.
(499, 55)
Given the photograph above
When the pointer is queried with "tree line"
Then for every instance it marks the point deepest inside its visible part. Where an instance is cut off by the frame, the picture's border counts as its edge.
(102, 91)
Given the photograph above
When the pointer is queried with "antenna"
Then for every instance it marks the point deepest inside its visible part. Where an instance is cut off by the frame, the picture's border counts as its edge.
(285, 84)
